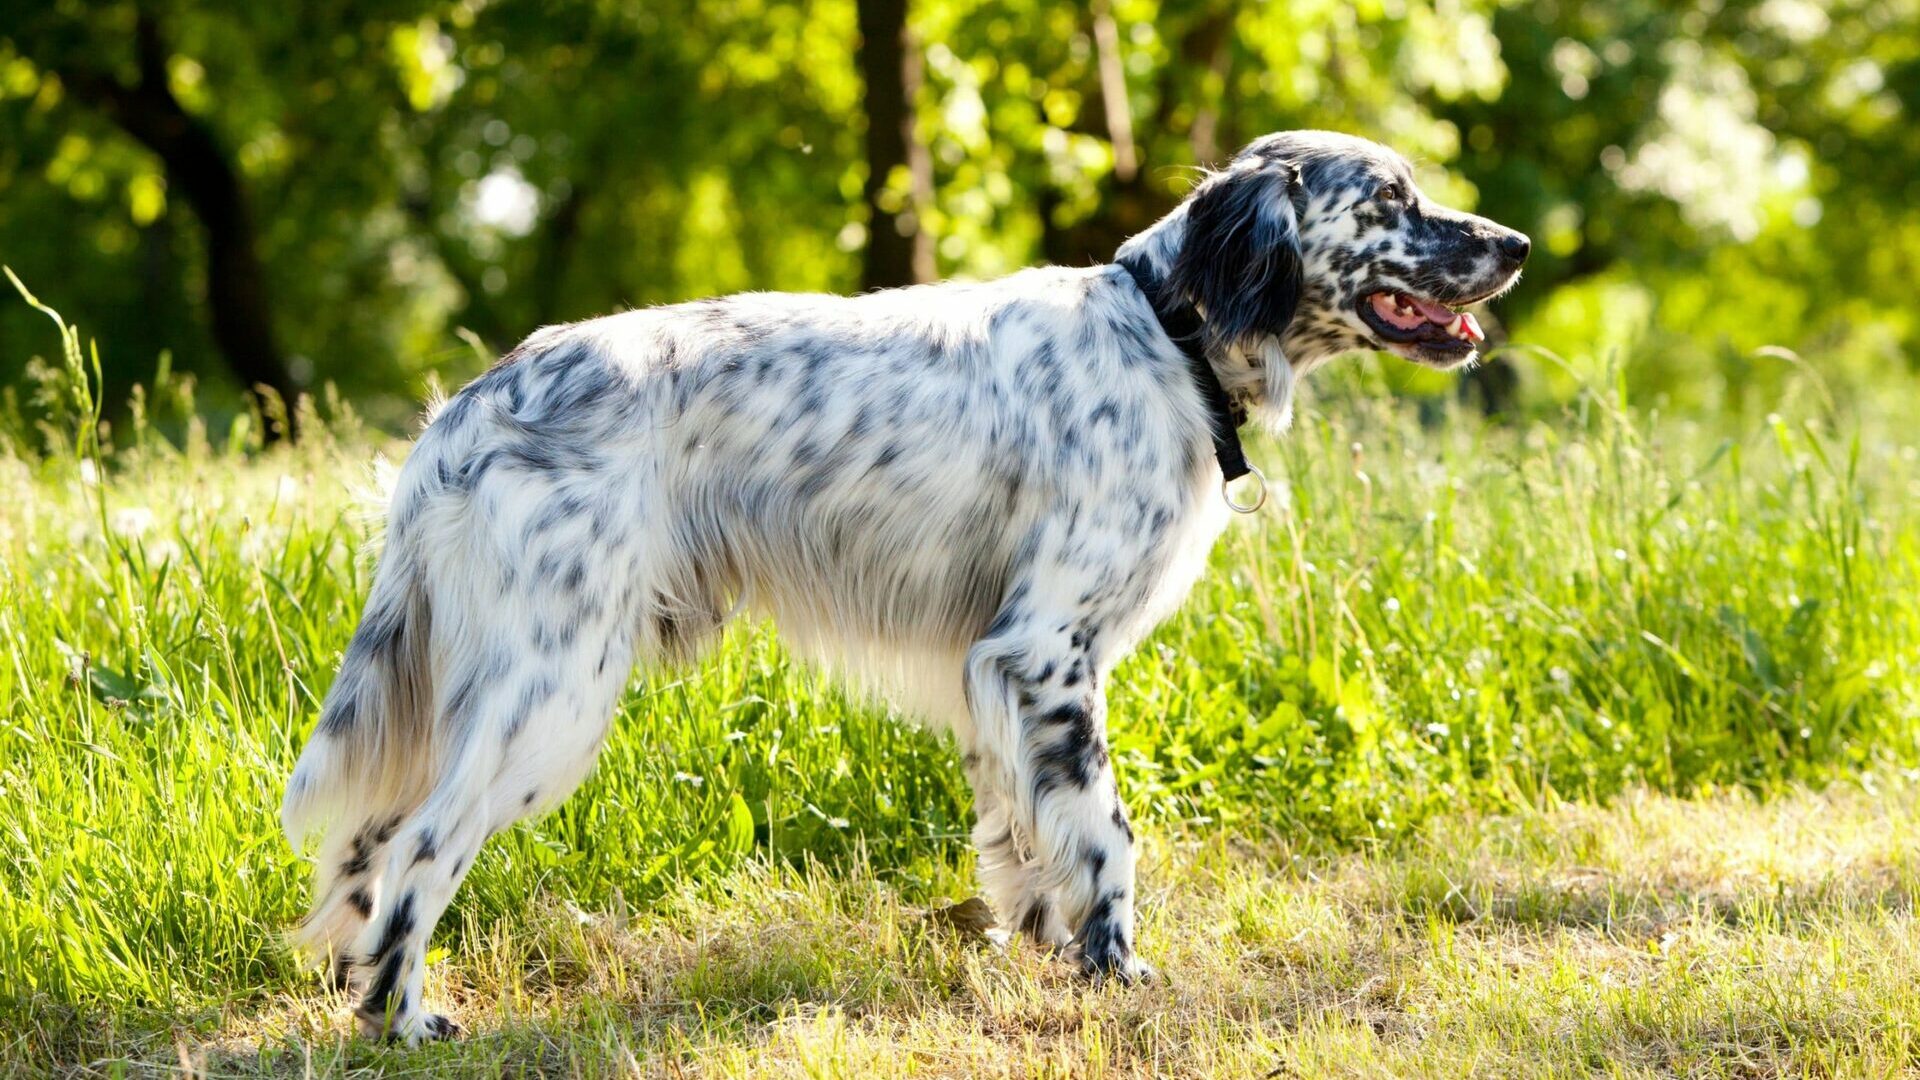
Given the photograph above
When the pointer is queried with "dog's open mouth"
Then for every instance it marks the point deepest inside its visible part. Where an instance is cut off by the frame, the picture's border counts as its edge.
(1428, 325)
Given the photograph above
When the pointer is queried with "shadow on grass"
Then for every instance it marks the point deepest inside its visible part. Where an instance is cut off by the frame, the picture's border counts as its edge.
(1686, 927)
(699, 970)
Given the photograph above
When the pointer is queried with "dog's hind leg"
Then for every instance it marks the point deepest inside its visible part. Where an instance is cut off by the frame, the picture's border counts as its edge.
(537, 726)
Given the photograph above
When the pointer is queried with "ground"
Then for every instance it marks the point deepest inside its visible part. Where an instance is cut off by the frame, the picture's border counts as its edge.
(1718, 936)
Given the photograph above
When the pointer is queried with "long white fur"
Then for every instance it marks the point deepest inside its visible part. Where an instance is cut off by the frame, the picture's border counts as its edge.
(972, 499)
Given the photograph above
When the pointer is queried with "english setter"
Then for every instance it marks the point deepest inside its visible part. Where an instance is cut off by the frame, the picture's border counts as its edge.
(972, 499)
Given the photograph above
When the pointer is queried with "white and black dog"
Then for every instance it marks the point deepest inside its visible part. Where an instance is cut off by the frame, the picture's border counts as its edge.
(972, 499)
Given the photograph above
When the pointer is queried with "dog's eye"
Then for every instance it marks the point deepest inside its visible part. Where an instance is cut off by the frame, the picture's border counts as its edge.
(1390, 192)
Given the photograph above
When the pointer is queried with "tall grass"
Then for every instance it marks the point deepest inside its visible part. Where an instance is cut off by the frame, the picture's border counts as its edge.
(1437, 616)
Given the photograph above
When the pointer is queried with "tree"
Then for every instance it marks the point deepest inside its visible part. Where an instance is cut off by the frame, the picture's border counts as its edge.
(899, 245)
(416, 178)
(240, 316)
(645, 152)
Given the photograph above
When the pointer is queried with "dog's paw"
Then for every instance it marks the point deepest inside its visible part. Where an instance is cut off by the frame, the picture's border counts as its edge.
(412, 1029)
(1115, 962)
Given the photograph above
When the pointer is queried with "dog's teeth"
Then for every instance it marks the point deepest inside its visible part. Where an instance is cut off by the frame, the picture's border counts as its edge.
(1465, 327)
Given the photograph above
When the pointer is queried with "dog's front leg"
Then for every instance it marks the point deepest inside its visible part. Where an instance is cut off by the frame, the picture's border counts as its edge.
(1040, 723)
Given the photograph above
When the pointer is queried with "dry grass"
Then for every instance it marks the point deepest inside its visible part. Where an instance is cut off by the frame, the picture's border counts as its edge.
(1715, 937)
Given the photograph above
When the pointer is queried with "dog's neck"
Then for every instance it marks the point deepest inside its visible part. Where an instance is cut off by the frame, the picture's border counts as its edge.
(1264, 381)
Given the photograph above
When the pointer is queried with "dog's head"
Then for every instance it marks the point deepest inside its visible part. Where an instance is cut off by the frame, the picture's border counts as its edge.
(1322, 242)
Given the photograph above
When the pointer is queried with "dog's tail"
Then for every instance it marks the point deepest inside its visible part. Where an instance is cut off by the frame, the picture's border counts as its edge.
(373, 755)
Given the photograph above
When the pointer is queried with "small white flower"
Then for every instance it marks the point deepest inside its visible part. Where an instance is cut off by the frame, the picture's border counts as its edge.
(89, 472)
(689, 778)
(1439, 730)
(131, 521)
(1392, 604)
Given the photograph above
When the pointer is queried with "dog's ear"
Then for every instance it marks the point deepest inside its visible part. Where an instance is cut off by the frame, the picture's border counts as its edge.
(1240, 258)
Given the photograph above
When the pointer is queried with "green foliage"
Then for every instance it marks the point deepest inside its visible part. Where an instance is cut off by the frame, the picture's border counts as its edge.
(434, 178)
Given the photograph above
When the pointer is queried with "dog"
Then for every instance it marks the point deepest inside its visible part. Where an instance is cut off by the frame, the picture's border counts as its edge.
(970, 499)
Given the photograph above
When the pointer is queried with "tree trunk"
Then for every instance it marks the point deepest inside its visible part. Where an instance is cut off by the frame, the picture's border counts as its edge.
(1113, 92)
(899, 251)
(238, 310)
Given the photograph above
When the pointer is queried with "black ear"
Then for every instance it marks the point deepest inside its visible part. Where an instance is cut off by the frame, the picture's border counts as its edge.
(1240, 259)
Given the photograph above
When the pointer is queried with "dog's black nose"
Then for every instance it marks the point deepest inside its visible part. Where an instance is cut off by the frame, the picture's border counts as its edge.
(1515, 247)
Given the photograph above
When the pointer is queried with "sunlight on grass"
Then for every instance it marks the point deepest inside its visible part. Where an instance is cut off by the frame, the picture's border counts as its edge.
(1569, 941)
(1350, 754)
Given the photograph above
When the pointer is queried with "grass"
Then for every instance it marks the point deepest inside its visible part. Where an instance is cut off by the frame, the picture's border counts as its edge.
(1720, 936)
(1575, 745)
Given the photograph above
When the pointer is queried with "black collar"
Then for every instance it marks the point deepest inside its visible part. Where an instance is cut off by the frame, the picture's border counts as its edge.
(1182, 323)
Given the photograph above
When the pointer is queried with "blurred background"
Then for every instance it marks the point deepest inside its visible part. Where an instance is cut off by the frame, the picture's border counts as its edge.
(370, 193)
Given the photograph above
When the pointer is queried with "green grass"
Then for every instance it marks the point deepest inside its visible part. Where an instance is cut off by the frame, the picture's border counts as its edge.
(1395, 761)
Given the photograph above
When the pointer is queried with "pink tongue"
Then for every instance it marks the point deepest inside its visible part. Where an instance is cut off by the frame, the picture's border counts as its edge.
(1386, 305)
(1435, 313)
